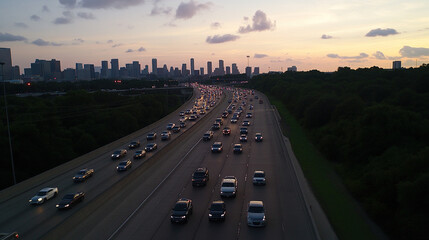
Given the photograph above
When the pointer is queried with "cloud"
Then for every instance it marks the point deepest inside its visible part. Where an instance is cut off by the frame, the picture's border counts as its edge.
(379, 55)
(260, 23)
(129, 51)
(35, 18)
(361, 56)
(324, 36)
(7, 37)
(68, 14)
(62, 20)
(215, 25)
(45, 9)
(141, 49)
(68, 3)
(43, 43)
(245, 18)
(85, 15)
(79, 40)
(104, 4)
(117, 45)
(109, 41)
(21, 25)
(411, 52)
(221, 38)
(188, 10)
(160, 10)
(381, 32)
(258, 55)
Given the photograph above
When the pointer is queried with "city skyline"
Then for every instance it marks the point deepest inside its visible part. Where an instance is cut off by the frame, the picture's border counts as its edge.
(321, 35)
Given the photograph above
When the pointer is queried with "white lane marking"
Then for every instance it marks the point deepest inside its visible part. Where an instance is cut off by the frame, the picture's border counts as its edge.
(159, 185)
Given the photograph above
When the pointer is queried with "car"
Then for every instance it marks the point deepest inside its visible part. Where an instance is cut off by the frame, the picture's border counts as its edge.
(151, 136)
(176, 129)
(226, 131)
(202, 112)
(259, 178)
(217, 211)
(229, 186)
(193, 118)
(246, 123)
(139, 154)
(183, 119)
(225, 114)
(251, 107)
(219, 120)
(243, 138)
(208, 135)
(124, 165)
(134, 144)
(70, 199)
(256, 214)
(188, 111)
(182, 125)
(249, 115)
(170, 126)
(182, 113)
(256, 97)
(200, 177)
(119, 154)
(238, 148)
(151, 147)
(165, 135)
(181, 211)
(258, 137)
(83, 174)
(217, 147)
(234, 120)
(43, 195)
(243, 130)
(215, 126)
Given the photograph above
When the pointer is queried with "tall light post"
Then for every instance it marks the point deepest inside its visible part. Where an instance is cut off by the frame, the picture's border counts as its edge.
(8, 126)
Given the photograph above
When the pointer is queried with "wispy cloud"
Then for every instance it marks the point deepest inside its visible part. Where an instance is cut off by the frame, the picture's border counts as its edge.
(221, 38)
(43, 43)
(62, 20)
(215, 25)
(105, 4)
(45, 9)
(141, 49)
(190, 9)
(259, 55)
(412, 52)
(117, 45)
(7, 37)
(35, 18)
(324, 36)
(381, 32)
(379, 55)
(360, 56)
(20, 25)
(84, 15)
(68, 3)
(260, 23)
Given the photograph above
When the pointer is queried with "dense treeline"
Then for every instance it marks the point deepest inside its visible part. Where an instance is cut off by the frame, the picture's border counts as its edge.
(374, 125)
(50, 130)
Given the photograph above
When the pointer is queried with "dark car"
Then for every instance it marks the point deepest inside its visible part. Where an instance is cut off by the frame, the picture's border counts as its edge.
(238, 148)
(124, 165)
(243, 130)
(181, 211)
(217, 211)
(234, 120)
(225, 114)
(217, 147)
(246, 123)
(119, 153)
(176, 129)
(182, 124)
(219, 120)
(258, 137)
(207, 136)
(151, 136)
(216, 126)
(249, 115)
(200, 177)
(243, 138)
(170, 126)
(134, 144)
(139, 154)
(70, 199)
(150, 147)
(165, 135)
(83, 174)
(226, 131)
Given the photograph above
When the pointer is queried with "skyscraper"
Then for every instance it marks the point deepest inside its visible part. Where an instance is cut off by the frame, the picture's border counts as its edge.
(221, 67)
(209, 68)
(396, 65)
(104, 69)
(184, 70)
(234, 69)
(154, 66)
(192, 67)
(114, 63)
(89, 71)
(228, 70)
(6, 59)
(136, 69)
(249, 71)
(201, 71)
(256, 71)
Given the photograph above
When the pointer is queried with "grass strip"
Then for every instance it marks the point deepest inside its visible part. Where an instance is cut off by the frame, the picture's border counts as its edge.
(345, 217)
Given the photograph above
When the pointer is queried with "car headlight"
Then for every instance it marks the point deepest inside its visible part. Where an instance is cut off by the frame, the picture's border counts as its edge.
(29, 200)
(210, 215)
(57, 205)
(67, 205)
(222, 215)
(39, 199)
(171, 216)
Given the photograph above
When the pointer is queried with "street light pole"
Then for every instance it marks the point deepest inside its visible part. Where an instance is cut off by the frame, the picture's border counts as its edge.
(8, 126)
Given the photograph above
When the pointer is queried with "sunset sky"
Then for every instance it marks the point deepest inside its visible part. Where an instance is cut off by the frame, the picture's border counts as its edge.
(276, 34)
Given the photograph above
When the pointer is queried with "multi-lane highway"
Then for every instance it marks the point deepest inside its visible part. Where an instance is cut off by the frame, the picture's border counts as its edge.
(136, 204)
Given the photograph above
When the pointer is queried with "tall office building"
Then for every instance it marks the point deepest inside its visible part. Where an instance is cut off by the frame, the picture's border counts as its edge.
(228, 70)
(209, 68)
(16, 73)
(145, 70)
(184, 70)
(104, 69)
(154, 66)
(221, 67)
(292, 69)
(6, 59)
(136, 69)
(396, 65)
(89, 71)
(256, 71)
(114, 64)
(249, 71)
(192, 66)
(69, 74)
(201, 71)
(79, 66)
(234, 69)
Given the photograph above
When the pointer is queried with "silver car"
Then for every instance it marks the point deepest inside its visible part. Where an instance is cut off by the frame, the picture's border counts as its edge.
(256, 214)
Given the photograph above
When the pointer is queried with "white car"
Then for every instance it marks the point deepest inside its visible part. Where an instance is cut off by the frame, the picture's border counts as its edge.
(44, 195)
(228, 187)
(256, 214)
(259, 178)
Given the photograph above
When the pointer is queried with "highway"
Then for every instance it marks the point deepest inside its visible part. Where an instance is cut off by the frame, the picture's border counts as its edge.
(137, 204)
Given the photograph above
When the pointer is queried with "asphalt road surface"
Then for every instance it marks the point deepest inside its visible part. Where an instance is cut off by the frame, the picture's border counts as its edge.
(137, 204)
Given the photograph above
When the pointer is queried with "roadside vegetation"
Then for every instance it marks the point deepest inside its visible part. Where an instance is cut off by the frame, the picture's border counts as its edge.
(50, 130)
(372, 125)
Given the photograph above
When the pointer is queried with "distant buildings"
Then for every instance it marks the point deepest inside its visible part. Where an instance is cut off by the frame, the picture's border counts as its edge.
(6, 59)
(249, 71)
(114, 63)
(292, 69)
(209, 68)
(154, 66)
(396, 65)
(104, 69)
(192, 66)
